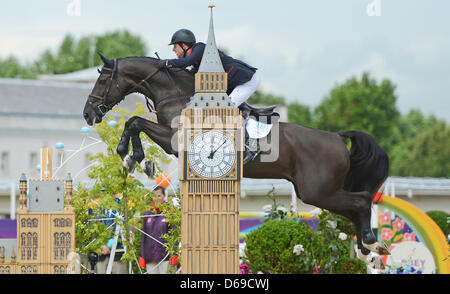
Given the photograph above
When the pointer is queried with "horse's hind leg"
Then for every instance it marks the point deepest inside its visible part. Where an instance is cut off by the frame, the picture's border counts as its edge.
(372, 260)
(359, 205)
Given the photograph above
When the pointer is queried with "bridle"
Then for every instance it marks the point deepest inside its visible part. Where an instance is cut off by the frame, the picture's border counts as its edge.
(104, 108)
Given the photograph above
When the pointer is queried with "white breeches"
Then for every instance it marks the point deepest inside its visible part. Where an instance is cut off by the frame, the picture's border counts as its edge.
(242, 92)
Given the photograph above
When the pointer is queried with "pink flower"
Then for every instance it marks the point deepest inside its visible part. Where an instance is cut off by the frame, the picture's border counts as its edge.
(318, 270)
(385, 218)
(243, 269)
(409, 237)
(398, 224)
(386, 234)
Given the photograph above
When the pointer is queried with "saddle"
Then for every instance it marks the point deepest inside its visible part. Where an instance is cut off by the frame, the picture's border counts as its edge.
(268, 112)
(258, 124)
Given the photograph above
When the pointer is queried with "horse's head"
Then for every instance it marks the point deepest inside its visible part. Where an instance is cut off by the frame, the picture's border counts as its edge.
(105, 94)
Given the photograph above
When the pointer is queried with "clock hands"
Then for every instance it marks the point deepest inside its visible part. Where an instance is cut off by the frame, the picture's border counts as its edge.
(211, 155)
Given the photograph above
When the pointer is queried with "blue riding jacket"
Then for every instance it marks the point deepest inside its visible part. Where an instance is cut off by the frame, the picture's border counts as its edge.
(238, 71)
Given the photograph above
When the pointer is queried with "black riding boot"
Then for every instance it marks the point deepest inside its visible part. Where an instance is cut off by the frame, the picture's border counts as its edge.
(251, 148)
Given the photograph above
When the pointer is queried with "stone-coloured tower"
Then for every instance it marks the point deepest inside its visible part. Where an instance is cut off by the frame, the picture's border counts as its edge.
(211, 145)
(45, 225)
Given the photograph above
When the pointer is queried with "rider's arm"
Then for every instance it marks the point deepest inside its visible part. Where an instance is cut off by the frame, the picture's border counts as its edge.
(193, 58)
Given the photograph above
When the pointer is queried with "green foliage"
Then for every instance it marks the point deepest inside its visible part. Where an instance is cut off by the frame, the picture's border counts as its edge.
(362, 105)
(266, 99)
(347, 265)
(424, 151)
(272, 248)
(172, 212)
(73, 55)
(330, 227)
(11, 68)
(109, 173)
(441, 219)
(275, 212)
(343, 224)
(299, 114)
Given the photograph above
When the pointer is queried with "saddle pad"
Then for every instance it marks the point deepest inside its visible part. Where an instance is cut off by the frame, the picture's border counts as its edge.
(257, 129)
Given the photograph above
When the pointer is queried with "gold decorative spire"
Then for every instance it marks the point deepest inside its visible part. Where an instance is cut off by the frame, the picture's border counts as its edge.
(23, 193)
(69, 189)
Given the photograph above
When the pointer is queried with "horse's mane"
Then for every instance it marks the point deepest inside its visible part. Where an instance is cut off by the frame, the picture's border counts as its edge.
(175, 70)
(146, 57)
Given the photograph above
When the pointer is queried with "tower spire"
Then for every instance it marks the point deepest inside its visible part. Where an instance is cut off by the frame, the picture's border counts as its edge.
(211, 60)
(211, 80)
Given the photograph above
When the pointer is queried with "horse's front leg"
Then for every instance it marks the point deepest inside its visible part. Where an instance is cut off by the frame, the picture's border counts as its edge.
(160, 134)
(122, 147)
(129, 162)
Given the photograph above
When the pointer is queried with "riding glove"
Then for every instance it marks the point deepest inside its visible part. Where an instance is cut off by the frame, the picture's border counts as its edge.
(162, 63)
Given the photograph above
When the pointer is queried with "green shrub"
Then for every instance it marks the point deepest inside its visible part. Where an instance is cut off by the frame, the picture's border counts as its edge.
(270, 248)
(338, 259)
(440, 218)
(347, 265)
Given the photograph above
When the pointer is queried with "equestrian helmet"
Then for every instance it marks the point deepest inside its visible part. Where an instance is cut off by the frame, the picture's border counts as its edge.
(183, 36)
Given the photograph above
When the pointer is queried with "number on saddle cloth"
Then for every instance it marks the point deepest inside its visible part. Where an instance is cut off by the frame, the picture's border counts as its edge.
(257, 129)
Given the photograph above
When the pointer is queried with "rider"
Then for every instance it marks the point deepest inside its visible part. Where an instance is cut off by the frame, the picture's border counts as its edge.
(243, 80)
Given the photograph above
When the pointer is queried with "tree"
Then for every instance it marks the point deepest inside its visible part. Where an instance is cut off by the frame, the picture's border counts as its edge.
(11, 68)
(429, 152)
(266, 99)
(420, 148)
(109, 173)
(73, 55)
(299, 114)
(363, 105)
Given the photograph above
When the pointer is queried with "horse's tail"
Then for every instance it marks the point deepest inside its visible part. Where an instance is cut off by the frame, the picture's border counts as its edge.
(369, 163)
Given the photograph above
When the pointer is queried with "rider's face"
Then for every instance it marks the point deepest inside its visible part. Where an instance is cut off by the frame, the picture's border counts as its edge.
(178, 50)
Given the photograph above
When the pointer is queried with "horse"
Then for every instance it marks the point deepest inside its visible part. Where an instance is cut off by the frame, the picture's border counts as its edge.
(324, 173)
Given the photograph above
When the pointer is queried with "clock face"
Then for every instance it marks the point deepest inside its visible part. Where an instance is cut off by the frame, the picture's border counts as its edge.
(212, 154)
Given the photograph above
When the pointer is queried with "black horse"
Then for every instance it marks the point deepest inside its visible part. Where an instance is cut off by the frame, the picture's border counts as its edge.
(324, 173)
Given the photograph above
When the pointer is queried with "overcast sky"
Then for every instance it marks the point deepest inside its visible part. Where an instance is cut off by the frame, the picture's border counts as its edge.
(302, 48)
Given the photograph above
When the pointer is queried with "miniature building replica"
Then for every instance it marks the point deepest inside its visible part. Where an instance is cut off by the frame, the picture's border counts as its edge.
(45, 226)
(211, 148)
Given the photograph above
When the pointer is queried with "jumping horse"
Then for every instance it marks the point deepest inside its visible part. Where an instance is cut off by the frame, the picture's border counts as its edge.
(323, 171)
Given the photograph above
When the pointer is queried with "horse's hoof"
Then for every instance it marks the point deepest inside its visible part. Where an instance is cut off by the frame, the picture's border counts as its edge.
(129, 163)
(378, 247)
(373, 261)
(377, 263)
(148, 168)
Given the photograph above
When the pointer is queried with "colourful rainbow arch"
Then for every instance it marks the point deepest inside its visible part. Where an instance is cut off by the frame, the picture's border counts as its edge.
(426, 229)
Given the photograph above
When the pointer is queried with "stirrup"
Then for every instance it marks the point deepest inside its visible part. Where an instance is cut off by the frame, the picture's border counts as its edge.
(250, 155)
